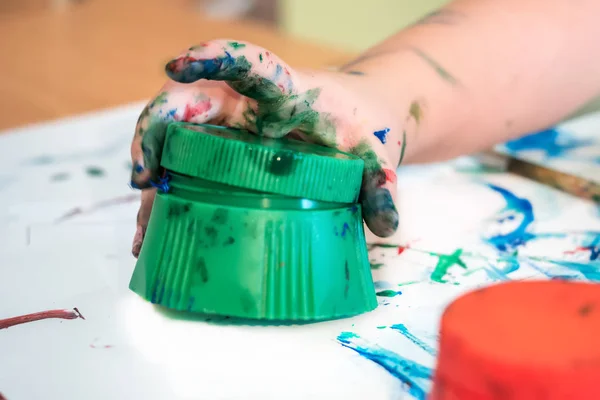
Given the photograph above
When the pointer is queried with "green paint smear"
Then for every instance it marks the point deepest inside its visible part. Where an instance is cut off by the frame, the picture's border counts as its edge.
(445, 75)
(236, 45)
(384, 246)
(388, 293)
(445, 262)
(260, 57)
(363, 150)
(403, 148)
(94, 172)
(382, 327)
(61, 176)
(376, 265)
(596, 198)
(408, 283)
(416, 112)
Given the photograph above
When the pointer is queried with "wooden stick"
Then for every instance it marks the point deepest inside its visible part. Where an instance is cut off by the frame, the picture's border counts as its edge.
(567, 183)
(23, 319)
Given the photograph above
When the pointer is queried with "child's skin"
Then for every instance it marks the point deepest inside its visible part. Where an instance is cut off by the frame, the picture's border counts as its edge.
(476, 73)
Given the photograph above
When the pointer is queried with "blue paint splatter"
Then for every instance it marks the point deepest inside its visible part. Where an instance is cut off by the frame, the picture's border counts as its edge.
(382, 135)
(519, 236)
(191, 302)
(195, 69)
(345, 229)
(138, 168)
(594, 248)
(383, 285)
(407, 334)
(278, 71)
(408, 371)
(162, 184)
(171, 113)
(550, 141)
(590, 271)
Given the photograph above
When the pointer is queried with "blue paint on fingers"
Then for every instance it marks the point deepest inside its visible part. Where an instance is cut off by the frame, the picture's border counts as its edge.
(382, 134)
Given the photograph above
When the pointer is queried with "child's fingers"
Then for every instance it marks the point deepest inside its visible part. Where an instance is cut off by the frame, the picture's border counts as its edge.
(249, 69)
(142, 220)
(175, 102)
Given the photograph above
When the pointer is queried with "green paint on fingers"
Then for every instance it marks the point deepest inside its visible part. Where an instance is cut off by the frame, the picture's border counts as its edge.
(364, 151)
(403, 148)
(260, 57)
(416, 112)
(236, 45)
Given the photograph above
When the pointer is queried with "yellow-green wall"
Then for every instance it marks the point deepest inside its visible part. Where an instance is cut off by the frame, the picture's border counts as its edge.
(351, 25)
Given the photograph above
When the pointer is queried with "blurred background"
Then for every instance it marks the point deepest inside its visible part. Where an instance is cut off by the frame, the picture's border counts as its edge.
(63, 57)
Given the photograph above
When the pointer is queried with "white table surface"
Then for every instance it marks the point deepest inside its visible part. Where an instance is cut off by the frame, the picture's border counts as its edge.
(67, 218)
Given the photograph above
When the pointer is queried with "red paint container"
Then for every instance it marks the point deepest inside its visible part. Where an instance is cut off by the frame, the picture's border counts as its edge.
(521, 341)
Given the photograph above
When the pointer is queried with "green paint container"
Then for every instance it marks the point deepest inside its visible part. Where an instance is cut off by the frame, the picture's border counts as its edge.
(256, 228)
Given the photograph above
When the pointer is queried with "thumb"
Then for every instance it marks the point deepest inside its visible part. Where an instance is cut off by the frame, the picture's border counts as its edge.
(249, 69)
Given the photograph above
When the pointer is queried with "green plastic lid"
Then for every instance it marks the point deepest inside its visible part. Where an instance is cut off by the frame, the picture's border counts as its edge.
(279, 262)
(280, 166)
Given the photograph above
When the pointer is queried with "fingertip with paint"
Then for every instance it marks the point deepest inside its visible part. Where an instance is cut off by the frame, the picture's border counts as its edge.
(380, 212)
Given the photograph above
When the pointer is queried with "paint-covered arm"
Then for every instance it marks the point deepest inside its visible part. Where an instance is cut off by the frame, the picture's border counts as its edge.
(478, 72)
(241, 85)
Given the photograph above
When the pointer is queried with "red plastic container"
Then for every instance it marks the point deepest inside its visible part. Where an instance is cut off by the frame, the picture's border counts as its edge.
(521, 341)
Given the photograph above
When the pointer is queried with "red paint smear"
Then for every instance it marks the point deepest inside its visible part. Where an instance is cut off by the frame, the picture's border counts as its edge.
(286, 71)
(280, 86)
(2, 397)
(399, 143)
(268, 54)
(191, 112)
(577, 250)
(108, 346)
(390, 176)
(23, 319)
(402, 248)
(180, 63)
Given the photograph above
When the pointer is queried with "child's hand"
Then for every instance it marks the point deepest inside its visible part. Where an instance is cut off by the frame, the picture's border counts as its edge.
(241, 85)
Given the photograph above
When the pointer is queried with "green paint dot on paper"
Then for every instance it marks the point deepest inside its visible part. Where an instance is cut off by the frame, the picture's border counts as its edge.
(445, 262)
(376, 265)
(388, 293)
(94, 171)
(407, 283)
(59, 177)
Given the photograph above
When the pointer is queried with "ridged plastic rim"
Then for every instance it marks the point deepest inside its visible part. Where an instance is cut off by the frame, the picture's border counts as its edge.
(283, 166)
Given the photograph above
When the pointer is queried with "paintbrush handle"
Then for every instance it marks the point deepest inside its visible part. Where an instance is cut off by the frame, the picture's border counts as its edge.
(571, 184)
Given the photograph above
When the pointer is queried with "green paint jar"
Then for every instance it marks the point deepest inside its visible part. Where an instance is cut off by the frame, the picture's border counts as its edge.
(256, 228)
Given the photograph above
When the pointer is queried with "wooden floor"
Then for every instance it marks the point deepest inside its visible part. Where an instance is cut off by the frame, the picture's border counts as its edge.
(63, 59)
